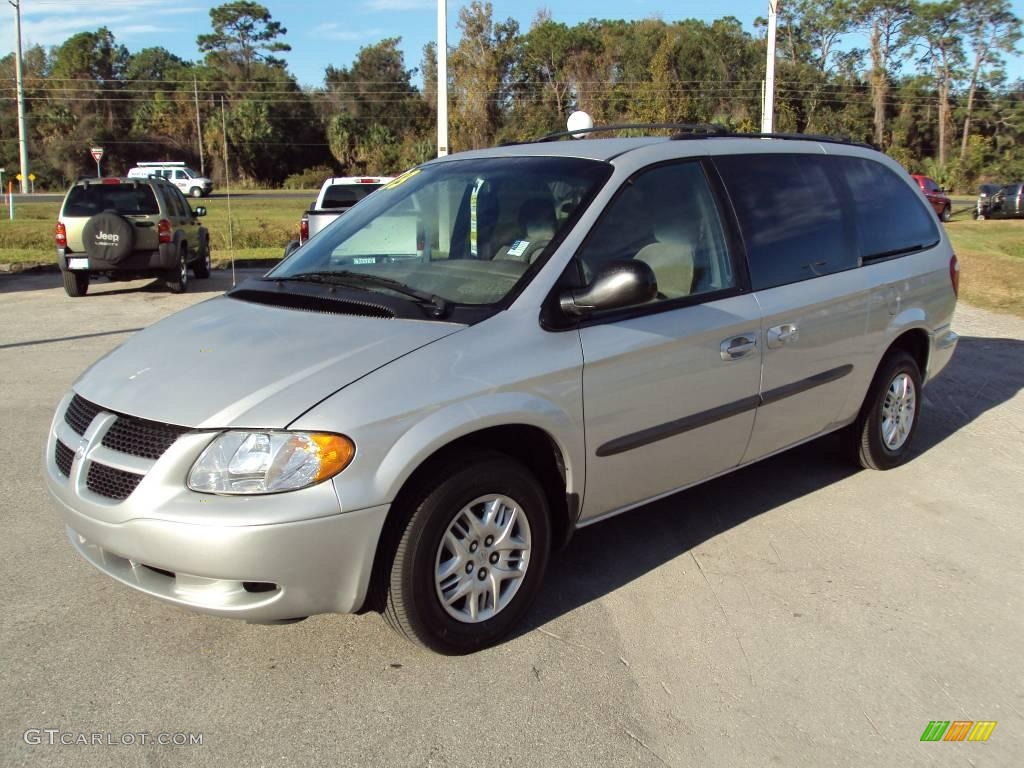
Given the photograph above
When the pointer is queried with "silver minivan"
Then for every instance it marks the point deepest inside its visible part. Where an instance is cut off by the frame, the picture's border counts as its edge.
(416, 407)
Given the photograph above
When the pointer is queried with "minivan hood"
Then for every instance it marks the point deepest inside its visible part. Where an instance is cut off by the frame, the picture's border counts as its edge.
(231, 363)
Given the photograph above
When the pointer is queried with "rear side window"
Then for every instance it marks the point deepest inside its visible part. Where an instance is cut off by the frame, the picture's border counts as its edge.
(346, 195)
(890, 216)
(130, 199)
(791, 216)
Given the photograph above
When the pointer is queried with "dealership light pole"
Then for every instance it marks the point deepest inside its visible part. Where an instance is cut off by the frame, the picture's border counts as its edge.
(442, 78)
(22, 131)
(768, 108)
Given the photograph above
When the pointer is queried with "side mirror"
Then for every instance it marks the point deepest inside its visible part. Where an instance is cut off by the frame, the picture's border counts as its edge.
(619, 284)
(200, 210)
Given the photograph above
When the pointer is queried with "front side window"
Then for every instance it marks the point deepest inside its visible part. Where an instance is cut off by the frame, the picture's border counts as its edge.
(665, 217)
(791, 216)
(890, 216)
(465, 230)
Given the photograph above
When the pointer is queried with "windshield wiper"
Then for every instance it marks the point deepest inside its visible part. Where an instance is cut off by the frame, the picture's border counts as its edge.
(348, 279)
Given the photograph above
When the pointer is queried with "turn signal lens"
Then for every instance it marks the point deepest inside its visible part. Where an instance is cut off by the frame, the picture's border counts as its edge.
(336, 453)
(163, 230)
(61, 235)
(954, 275)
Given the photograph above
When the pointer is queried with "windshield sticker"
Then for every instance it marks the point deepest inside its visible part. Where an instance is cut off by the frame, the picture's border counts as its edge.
(518, 248)
(401, 179)
(472, 216)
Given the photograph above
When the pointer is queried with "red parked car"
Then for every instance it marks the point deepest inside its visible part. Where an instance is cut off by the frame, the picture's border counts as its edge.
(936, 196)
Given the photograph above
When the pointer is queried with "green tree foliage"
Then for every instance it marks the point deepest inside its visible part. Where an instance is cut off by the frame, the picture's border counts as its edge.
(930, 88)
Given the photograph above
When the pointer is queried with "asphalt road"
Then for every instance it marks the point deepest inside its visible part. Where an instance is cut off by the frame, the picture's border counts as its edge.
(797, 612)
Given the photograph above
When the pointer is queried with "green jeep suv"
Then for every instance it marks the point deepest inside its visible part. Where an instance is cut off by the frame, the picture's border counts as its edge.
(128, 229)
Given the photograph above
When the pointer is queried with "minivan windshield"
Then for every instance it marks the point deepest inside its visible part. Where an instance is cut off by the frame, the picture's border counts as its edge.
(466, 231)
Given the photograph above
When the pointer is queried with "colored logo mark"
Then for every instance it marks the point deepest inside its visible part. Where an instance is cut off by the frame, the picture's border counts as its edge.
(958, 730)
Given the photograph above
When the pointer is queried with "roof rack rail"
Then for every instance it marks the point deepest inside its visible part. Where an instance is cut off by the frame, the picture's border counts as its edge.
(685, 129)
(793, 137)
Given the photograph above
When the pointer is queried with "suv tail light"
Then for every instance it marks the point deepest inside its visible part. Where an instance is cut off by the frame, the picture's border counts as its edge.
(61, 235)
(304, 229)
(163, 231)
(954, 275)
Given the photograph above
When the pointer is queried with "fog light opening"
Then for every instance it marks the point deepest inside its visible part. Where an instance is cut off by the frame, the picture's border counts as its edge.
(258, 586)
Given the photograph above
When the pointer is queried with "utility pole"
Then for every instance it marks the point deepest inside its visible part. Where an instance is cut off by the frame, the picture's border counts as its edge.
(22, 130)
(199, 128)
(442, 78)
(768, 110)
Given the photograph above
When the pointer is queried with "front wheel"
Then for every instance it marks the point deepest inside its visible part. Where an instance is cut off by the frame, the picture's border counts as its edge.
(880, 438)
(201, 266)
(471, 557)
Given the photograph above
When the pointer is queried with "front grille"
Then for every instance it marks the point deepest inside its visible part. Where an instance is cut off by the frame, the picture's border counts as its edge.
(140, 437)
(63, 456)
(80, 414)
(112, 483)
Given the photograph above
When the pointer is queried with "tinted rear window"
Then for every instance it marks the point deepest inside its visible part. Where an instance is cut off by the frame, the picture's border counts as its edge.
(791, 216)
(347, 195)
(890, 216)
(131, 199)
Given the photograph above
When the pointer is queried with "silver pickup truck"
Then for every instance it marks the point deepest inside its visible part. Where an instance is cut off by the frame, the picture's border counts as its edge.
(337, 195)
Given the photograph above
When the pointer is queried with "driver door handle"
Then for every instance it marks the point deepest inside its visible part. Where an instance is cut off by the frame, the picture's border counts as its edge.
(780, 335)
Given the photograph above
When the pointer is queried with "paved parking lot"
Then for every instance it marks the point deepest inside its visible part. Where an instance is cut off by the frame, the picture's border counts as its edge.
(797, 612)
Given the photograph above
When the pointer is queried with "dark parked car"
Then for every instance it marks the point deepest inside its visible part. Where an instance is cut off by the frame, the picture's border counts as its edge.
(1007, 203)
(936, 195)
(984, 204)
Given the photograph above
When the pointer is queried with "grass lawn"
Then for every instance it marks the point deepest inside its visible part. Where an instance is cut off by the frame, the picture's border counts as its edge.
(991, 255)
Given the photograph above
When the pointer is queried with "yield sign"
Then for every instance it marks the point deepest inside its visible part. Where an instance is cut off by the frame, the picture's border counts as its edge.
(97, 153)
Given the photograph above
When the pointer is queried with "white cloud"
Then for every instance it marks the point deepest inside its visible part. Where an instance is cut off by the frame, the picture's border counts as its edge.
(335, 31)
(51, 23)
(376, 6)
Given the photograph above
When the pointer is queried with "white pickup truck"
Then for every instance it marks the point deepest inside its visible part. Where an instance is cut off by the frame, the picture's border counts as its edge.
(337, 195)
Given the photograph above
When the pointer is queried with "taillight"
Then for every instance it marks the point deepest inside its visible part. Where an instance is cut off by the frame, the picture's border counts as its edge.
(61, 235)
(111, 181)
(163, 231)
(303, 229)
(954, 275)
(367, 181)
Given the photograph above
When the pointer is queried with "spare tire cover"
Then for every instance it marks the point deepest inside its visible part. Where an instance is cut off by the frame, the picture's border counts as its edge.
(108, 237)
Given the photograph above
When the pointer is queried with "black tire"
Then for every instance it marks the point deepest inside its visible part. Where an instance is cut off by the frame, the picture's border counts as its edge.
(413, 607)
(201, 266)
(177, 277)
(947, 214)
(76, 283)
(196, 192)
(864, 436)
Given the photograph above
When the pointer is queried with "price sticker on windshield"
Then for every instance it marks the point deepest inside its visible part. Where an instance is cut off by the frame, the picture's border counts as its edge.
(401, 179)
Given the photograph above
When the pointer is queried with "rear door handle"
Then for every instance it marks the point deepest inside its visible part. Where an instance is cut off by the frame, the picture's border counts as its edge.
(780, 335)
(738, 346)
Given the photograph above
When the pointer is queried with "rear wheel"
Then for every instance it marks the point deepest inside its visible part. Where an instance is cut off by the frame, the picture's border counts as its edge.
(471, 556)
(881, 436)
(196, 192)
(76, 283)
(177, 277)
(947, 214)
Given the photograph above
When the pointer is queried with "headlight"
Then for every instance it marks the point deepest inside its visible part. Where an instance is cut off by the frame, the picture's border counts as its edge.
(269, 462)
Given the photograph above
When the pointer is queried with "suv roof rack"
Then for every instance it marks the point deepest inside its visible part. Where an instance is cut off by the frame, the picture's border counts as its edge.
(686, 131)
(701, 130)
(160, 163)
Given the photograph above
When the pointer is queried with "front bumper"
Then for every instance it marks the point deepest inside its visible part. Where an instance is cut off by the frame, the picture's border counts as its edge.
(236, 556)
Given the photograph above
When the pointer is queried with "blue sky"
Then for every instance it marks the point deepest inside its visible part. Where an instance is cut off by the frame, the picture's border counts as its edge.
(323, 32)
